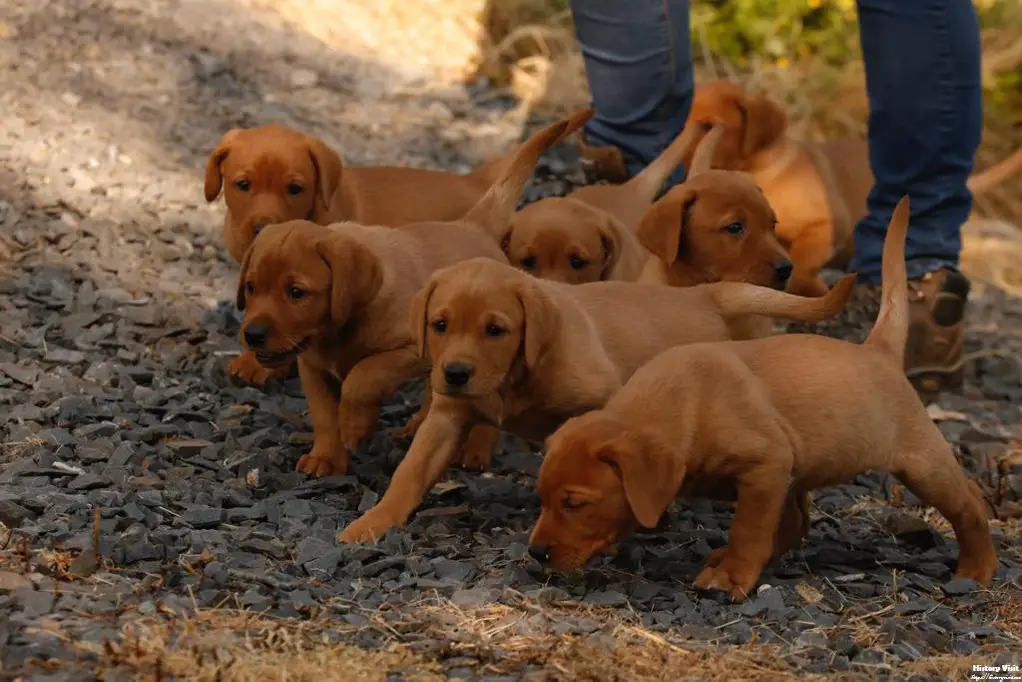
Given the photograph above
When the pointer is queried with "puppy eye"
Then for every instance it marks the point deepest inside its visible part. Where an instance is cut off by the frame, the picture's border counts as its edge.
(572, 504)
(296, 294)
(249, 288)
(495, 331)
(294, 189)
(439, 326)
(735, 229)
(529, 262)
(578, 262)
(243, 185)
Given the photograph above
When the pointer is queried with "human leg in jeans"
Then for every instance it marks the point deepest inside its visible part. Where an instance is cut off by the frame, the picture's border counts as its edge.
(639, 66)
(922, 60)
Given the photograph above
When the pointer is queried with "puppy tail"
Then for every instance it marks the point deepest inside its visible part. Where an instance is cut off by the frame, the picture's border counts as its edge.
(649, 181)
(737, 299)
(493, 211)
(890, 331)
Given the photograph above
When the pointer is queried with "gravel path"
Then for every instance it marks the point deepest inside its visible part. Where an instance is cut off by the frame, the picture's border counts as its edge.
(142, 495)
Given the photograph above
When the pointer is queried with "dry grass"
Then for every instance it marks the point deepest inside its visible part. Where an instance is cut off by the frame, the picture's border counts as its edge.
(224, 646)
(229, 646)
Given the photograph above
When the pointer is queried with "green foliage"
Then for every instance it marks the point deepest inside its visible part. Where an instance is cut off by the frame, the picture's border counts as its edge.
(778, 31)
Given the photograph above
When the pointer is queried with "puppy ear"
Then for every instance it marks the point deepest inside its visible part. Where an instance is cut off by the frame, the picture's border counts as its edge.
(328, 174)
(356, 275)
(609, 236)
(649, 471)
(417, 315)
(542, 322)
(239, 300)
(661, 228)
(214, 177)
(765, 122)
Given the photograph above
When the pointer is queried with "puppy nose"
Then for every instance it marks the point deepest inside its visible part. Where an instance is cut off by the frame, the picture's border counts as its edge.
(457, 373)
(258, 226)
(255, 335)
(782, 268)
(540, 553)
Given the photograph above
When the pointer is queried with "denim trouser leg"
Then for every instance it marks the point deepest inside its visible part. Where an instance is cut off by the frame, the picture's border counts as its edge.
(639, 65)
(922, 61)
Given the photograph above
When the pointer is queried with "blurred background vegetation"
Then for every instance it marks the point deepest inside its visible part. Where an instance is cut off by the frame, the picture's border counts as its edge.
(803, 53)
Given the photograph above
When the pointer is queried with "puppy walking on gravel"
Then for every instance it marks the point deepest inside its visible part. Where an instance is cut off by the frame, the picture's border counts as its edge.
(514, 351)
(767, 420)
(337, 297)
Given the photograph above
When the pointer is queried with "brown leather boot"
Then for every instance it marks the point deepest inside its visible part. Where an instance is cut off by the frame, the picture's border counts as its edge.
(933, 355)
(602, 163)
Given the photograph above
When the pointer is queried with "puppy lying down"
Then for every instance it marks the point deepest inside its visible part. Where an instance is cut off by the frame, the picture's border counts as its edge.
(521, 353)
(336, 297)
(767, 420)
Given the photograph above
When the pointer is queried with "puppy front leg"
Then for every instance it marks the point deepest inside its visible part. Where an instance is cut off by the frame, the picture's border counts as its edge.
(762, 491)
(434, 449)
(368, 384)
(327, 457)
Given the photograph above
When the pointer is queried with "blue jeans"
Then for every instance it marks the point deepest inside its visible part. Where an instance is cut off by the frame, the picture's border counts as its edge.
(922, 60)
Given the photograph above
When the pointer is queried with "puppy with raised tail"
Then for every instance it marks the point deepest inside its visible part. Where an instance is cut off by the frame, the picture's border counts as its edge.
(765, 421)
(514, 351)
(273, 174)
(337, 297)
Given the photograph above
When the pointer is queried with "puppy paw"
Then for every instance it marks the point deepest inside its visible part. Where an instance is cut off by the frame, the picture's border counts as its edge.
(357, 422)
(982, 571)
(368, 528)
(246, 368)
(477, 451)
(476, 457)
(733, 576)
(323, 462)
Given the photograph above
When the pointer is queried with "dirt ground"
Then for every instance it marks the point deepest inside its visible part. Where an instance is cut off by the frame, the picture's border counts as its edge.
(131, 546)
